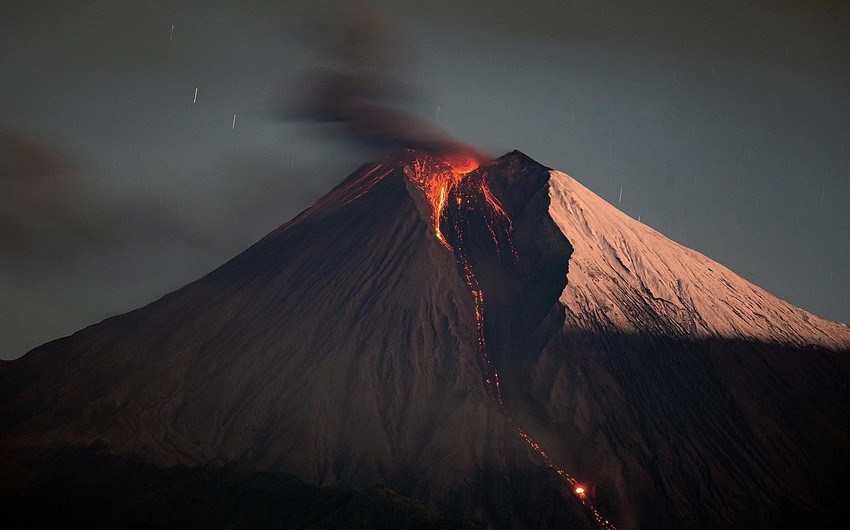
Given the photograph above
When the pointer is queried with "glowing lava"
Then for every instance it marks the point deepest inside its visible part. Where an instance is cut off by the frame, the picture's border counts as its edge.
(463, 164)
(437, 179)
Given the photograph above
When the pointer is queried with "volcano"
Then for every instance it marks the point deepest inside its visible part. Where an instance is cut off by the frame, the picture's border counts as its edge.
(492, 340)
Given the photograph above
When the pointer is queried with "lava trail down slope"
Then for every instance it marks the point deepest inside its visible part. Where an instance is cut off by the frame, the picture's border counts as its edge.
(460, 195)
(466, 333)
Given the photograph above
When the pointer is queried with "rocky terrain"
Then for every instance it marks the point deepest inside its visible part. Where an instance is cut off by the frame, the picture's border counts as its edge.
(347, 348)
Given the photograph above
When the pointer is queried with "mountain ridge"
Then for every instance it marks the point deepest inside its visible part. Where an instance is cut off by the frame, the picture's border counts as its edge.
(673, 284)
(349, 346)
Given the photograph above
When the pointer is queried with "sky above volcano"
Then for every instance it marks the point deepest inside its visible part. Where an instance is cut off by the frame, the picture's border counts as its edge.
(144, 143)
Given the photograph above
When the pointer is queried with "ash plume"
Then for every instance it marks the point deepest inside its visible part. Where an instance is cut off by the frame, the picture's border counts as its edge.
(50, 210)
(359, 88)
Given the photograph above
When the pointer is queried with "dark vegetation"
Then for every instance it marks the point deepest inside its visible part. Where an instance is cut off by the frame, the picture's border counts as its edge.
(88, 487)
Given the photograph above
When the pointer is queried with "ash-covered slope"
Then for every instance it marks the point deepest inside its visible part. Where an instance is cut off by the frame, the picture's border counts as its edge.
(340, 348)
(683, 395)
(625, 275)
(499, 343)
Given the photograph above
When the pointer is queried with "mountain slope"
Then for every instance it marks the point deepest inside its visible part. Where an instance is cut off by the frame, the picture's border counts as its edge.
(340, 348)
(684, 394)
(498, 343)
(625, 275)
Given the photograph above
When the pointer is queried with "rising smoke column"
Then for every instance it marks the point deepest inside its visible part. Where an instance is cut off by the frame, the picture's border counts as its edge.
(356, 90)
(357, 86)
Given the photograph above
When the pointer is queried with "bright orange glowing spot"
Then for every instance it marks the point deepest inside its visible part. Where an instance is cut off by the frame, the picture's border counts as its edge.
(463, 164)
(437, 179)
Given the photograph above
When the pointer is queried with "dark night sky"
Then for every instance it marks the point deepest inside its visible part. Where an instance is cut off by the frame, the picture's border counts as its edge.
(725, 124)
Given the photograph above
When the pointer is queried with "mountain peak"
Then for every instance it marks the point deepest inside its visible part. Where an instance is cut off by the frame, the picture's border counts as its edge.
(516, 153)
(627, 276)
(494, 340)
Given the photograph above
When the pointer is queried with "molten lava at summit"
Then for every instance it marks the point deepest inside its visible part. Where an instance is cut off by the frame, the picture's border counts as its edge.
(436, 178)
(560, 361)
(464, 179)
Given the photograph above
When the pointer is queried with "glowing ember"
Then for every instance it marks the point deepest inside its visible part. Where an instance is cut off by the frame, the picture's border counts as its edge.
(437, 179)
(463, 164)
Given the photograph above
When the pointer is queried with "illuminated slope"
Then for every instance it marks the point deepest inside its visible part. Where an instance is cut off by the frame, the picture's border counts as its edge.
(497, 342)
(664, 390)
(340, 348)
(682, 395)
(627, 276)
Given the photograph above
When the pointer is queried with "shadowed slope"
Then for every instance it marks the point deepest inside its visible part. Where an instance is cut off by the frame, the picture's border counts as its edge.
(90, 488)
(344, 348)
(686, 396)
(311, 338)
(340, 348)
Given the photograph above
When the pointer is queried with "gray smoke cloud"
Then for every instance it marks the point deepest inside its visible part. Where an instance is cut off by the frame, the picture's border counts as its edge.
(49, 210)
(73, 251)
(359, 86)
(723, 123)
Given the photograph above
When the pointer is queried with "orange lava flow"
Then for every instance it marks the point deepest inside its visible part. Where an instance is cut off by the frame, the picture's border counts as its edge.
(437, 179)
(578, 489)
(488, 370)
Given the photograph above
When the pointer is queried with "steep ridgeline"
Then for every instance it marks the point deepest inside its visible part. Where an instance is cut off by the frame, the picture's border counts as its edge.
(626, 276)
(491, 339)
(341, 348)
(687, 396)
